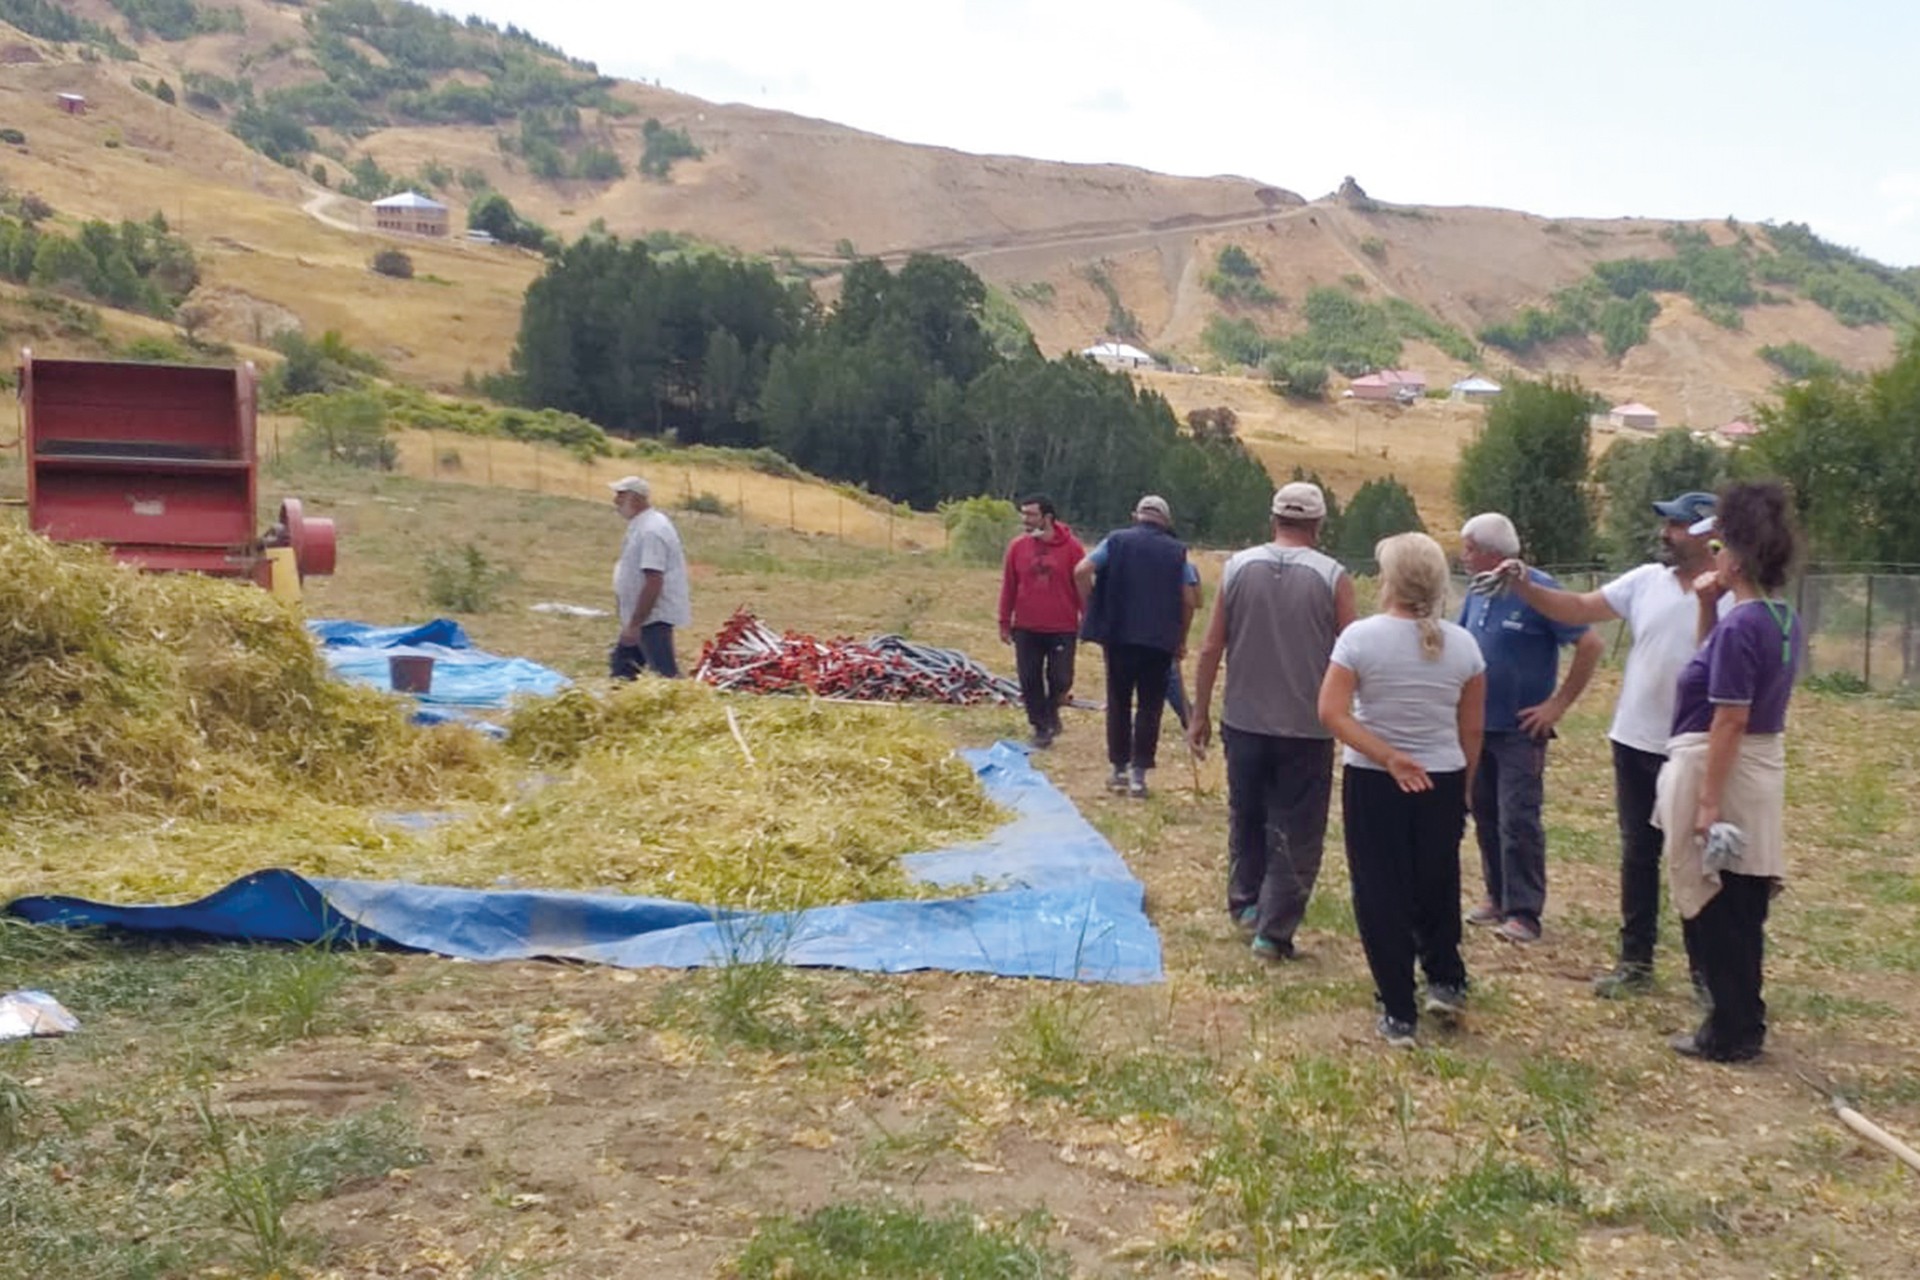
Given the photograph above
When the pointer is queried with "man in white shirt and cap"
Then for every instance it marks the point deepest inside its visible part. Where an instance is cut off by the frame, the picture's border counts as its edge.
(649, 585)
(1660, 609)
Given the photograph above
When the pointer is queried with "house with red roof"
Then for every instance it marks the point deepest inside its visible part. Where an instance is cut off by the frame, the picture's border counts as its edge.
(1404, 385)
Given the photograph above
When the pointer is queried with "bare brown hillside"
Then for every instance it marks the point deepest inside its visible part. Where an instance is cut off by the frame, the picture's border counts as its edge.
(1074, 244)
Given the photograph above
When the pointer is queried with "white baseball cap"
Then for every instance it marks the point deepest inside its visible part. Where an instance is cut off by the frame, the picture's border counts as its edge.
(632, 484)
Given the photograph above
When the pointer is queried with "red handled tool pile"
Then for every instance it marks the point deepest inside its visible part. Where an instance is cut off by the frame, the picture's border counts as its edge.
(749, 656)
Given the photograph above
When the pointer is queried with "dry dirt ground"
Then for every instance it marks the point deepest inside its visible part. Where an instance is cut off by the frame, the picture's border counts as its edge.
(574, 1121)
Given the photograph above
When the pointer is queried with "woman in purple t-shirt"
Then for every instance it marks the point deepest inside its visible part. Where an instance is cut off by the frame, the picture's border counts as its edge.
(1721, 796)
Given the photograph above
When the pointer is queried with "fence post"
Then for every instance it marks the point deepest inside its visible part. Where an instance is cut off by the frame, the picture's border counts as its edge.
(1866, 660)
(792, 522)
(740, 498)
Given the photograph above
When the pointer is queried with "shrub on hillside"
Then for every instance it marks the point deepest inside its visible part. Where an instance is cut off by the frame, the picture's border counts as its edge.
(393, 262)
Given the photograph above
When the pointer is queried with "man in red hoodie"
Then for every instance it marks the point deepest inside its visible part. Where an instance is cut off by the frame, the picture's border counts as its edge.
(1040, 613)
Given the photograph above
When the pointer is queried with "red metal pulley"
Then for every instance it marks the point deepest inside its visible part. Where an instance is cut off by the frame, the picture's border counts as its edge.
(313, 539)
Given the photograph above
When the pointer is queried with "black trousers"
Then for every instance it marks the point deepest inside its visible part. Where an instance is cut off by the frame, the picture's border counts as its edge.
(1278, 793)
(1728, 939)
(1136, 697)
(1635, 773)
(1044, 661)
(1403, 857)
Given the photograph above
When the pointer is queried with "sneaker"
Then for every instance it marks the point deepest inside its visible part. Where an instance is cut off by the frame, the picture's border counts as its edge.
(1041, 739)
(1519, 931)
(1137, 784)
(1486, 915)
(1445, 999)
(1265, 948)
(1397, 1034)
(1246, 918)
(1625, 980)
(1117, 782)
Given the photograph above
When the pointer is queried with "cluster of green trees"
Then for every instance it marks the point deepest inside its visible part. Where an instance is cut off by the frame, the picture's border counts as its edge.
(408, 77)
(51, 21)
(1344, 332)
(901, 387)
(663, 147)
(1618, 302)
(1380, 508)
(646, 344)
(138, 266)
(177, 19)
(1797, 360)
(1236, 278)
(1848, 447)
(1856, 289)
(494, 214)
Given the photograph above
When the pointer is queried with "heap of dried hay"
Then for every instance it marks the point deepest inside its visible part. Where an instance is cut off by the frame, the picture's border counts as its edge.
(176, 694)
(162, 735)
(658, 798)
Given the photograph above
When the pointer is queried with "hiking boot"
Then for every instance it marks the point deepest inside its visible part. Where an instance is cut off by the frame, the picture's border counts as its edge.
(1117, 782)
(1137, 784)
(1265, 948)
(1517, 930)
(1397, 1034)
(1486, 915)
(1626, 980)
(1246, 918)
(1446, 999)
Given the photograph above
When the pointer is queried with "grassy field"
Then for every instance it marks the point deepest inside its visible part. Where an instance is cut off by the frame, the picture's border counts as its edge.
(259, 1111)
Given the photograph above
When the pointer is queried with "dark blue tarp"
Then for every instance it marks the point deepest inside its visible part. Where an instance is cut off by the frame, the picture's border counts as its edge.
(463, 676)
(1061, 904)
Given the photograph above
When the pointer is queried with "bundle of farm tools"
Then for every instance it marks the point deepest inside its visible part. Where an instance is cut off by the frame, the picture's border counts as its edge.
(749, 656)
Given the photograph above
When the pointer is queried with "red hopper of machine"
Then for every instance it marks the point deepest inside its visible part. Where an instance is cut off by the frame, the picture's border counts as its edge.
(159, 463)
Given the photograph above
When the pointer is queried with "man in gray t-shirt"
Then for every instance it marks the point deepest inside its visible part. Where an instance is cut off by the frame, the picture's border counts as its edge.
(1280, 607)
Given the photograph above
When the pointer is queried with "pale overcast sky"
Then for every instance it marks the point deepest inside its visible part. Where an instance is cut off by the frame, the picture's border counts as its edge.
(1765, 109)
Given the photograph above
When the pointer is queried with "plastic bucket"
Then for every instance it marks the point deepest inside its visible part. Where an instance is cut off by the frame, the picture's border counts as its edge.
(410, 673)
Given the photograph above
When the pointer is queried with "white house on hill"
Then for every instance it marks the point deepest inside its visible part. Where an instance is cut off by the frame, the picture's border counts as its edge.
(1474, 388)
(1634, 414)
(1120, 355)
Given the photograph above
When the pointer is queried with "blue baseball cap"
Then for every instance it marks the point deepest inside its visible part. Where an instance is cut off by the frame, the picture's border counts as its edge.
(1688, 508)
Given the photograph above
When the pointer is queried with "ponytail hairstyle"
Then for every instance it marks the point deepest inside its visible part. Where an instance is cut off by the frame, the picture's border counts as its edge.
(1413, 577)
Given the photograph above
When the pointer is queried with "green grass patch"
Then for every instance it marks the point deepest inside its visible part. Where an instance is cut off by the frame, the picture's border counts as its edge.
(885, 1240)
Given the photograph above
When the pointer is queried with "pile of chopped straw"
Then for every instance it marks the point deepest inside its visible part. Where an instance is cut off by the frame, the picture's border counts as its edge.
(657, 797)
(161, 735)
(124, 692)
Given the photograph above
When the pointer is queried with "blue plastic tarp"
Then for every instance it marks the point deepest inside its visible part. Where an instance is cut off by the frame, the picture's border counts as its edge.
(463, 676)
(1057, 902)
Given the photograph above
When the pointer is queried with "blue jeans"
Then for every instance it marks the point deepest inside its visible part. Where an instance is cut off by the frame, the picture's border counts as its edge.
(655, 652)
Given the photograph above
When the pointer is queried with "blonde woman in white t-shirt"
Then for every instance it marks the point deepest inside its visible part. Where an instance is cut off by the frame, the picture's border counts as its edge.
(1405, 692)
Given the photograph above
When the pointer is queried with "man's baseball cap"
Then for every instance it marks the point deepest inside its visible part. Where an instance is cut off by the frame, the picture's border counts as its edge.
(1300, 501)
(1690, 508)
(632, 484)
(1154, 505)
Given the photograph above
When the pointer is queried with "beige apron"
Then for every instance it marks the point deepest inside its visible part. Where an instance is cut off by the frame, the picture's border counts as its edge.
(1754, 800)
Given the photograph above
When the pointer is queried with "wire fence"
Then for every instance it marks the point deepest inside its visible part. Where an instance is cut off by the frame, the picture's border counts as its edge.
(1862, 622)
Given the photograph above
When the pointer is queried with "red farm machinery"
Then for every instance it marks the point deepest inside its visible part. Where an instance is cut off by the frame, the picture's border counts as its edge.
(159, 463)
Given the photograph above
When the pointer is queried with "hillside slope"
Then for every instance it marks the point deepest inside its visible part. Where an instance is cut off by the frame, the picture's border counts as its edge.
(410, 98)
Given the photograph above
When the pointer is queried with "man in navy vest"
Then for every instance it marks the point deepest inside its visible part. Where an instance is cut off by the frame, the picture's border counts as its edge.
(1138, 610)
